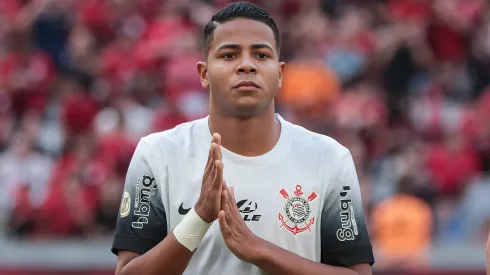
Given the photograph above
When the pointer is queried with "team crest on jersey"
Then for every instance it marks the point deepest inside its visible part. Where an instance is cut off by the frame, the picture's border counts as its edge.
(297, 211)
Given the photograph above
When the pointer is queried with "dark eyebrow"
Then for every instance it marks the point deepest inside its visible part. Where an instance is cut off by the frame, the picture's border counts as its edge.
(261, 46)
(229, 46)
(237, 47)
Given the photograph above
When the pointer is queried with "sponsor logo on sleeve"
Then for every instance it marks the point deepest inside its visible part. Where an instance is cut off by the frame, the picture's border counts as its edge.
(142, 208)
(125, 204)
(348, 230)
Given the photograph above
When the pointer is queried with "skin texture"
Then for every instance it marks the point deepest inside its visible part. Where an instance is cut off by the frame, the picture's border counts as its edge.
(243, 50)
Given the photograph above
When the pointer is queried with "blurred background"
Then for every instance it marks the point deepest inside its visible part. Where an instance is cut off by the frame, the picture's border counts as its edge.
(404, 84)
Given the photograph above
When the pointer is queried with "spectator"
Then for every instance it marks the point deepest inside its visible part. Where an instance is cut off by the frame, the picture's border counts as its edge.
(25, 175)
(402, 227)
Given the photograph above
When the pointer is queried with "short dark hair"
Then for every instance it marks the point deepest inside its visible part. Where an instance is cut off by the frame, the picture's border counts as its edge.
(239, 10)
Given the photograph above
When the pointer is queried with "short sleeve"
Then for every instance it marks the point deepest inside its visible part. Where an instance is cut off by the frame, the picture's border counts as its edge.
(344, 237)
(141, 222)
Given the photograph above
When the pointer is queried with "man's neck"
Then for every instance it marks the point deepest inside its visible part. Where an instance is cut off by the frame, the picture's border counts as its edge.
(249, 137)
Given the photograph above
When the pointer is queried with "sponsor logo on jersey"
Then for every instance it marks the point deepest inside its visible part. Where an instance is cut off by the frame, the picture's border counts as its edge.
(125, 204)
(247, 207)
(297, 211)
(183, 211)
(142, 208)
(348, 230)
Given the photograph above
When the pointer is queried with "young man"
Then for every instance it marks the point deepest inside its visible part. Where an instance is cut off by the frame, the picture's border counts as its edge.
(260, 195)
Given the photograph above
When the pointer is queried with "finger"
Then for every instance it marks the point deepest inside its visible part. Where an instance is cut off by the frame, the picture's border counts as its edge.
(216, 138)
(233, 207)
(224, 186)
(224, 201)
(227, 207)
(217, 154)
(218, 177)
(215, 151)
(213, 173)
(232, 192)
(223, 226)
(231, 199)
(210, 163)
(220, 153)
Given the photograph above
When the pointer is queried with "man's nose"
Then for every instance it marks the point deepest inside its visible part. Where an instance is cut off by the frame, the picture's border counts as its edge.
(247, 66)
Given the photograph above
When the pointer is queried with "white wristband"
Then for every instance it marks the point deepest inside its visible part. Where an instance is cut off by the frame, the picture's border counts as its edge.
(191, 230)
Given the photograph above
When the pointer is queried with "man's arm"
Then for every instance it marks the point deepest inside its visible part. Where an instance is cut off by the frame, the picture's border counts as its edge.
(345, 240)
(167, 257)
(275, 260)
(267, 256)
(345, 244)
(141, 240)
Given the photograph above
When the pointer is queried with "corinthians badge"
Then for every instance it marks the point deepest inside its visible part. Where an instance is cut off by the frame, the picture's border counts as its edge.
(297, 211)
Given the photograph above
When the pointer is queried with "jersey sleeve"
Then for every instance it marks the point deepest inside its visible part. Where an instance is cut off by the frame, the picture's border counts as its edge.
(141, 222)
(344, 236)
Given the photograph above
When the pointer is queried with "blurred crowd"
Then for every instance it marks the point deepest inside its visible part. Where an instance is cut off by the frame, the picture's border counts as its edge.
(402, 83)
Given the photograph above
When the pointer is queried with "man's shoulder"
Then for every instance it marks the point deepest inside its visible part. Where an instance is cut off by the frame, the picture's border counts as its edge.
(311, 141)
(179, 134)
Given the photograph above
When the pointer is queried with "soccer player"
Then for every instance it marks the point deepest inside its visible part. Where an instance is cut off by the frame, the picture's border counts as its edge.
(242, 191)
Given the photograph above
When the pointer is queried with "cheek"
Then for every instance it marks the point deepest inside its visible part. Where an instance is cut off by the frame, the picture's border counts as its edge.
(272, 78)
(215, 79)
(218, 74)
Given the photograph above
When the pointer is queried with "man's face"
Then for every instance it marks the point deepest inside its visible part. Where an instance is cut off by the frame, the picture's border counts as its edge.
(242, 71)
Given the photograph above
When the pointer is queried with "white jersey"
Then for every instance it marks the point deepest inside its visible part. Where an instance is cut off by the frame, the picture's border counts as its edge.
(303, 196)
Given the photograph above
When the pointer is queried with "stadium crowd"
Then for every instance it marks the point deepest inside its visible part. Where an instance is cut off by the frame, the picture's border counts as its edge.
(402, 83)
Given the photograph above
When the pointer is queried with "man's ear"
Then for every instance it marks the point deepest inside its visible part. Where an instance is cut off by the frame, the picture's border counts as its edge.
(203, 74)
(282, 65)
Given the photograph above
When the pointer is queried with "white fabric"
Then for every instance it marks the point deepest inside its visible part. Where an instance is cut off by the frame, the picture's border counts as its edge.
(177, 158)
(191, 230)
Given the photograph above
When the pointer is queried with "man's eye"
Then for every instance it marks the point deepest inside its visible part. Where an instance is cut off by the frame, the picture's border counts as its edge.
(228, 55)
(262, 55)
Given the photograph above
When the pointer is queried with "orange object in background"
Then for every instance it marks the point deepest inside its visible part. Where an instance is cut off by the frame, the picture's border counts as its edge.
(308, 84)
(402, 227)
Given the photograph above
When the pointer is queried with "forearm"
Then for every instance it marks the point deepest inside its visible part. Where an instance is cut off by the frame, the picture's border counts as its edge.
(488, 254)
(275, 260)
(488, 259)
(169, 257)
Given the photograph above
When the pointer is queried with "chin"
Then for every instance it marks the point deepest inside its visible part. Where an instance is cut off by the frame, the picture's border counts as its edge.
(248, 110)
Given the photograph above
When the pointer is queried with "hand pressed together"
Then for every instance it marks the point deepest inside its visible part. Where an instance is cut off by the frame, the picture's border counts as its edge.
(208, 205)
(236, 234)
(217, 201)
